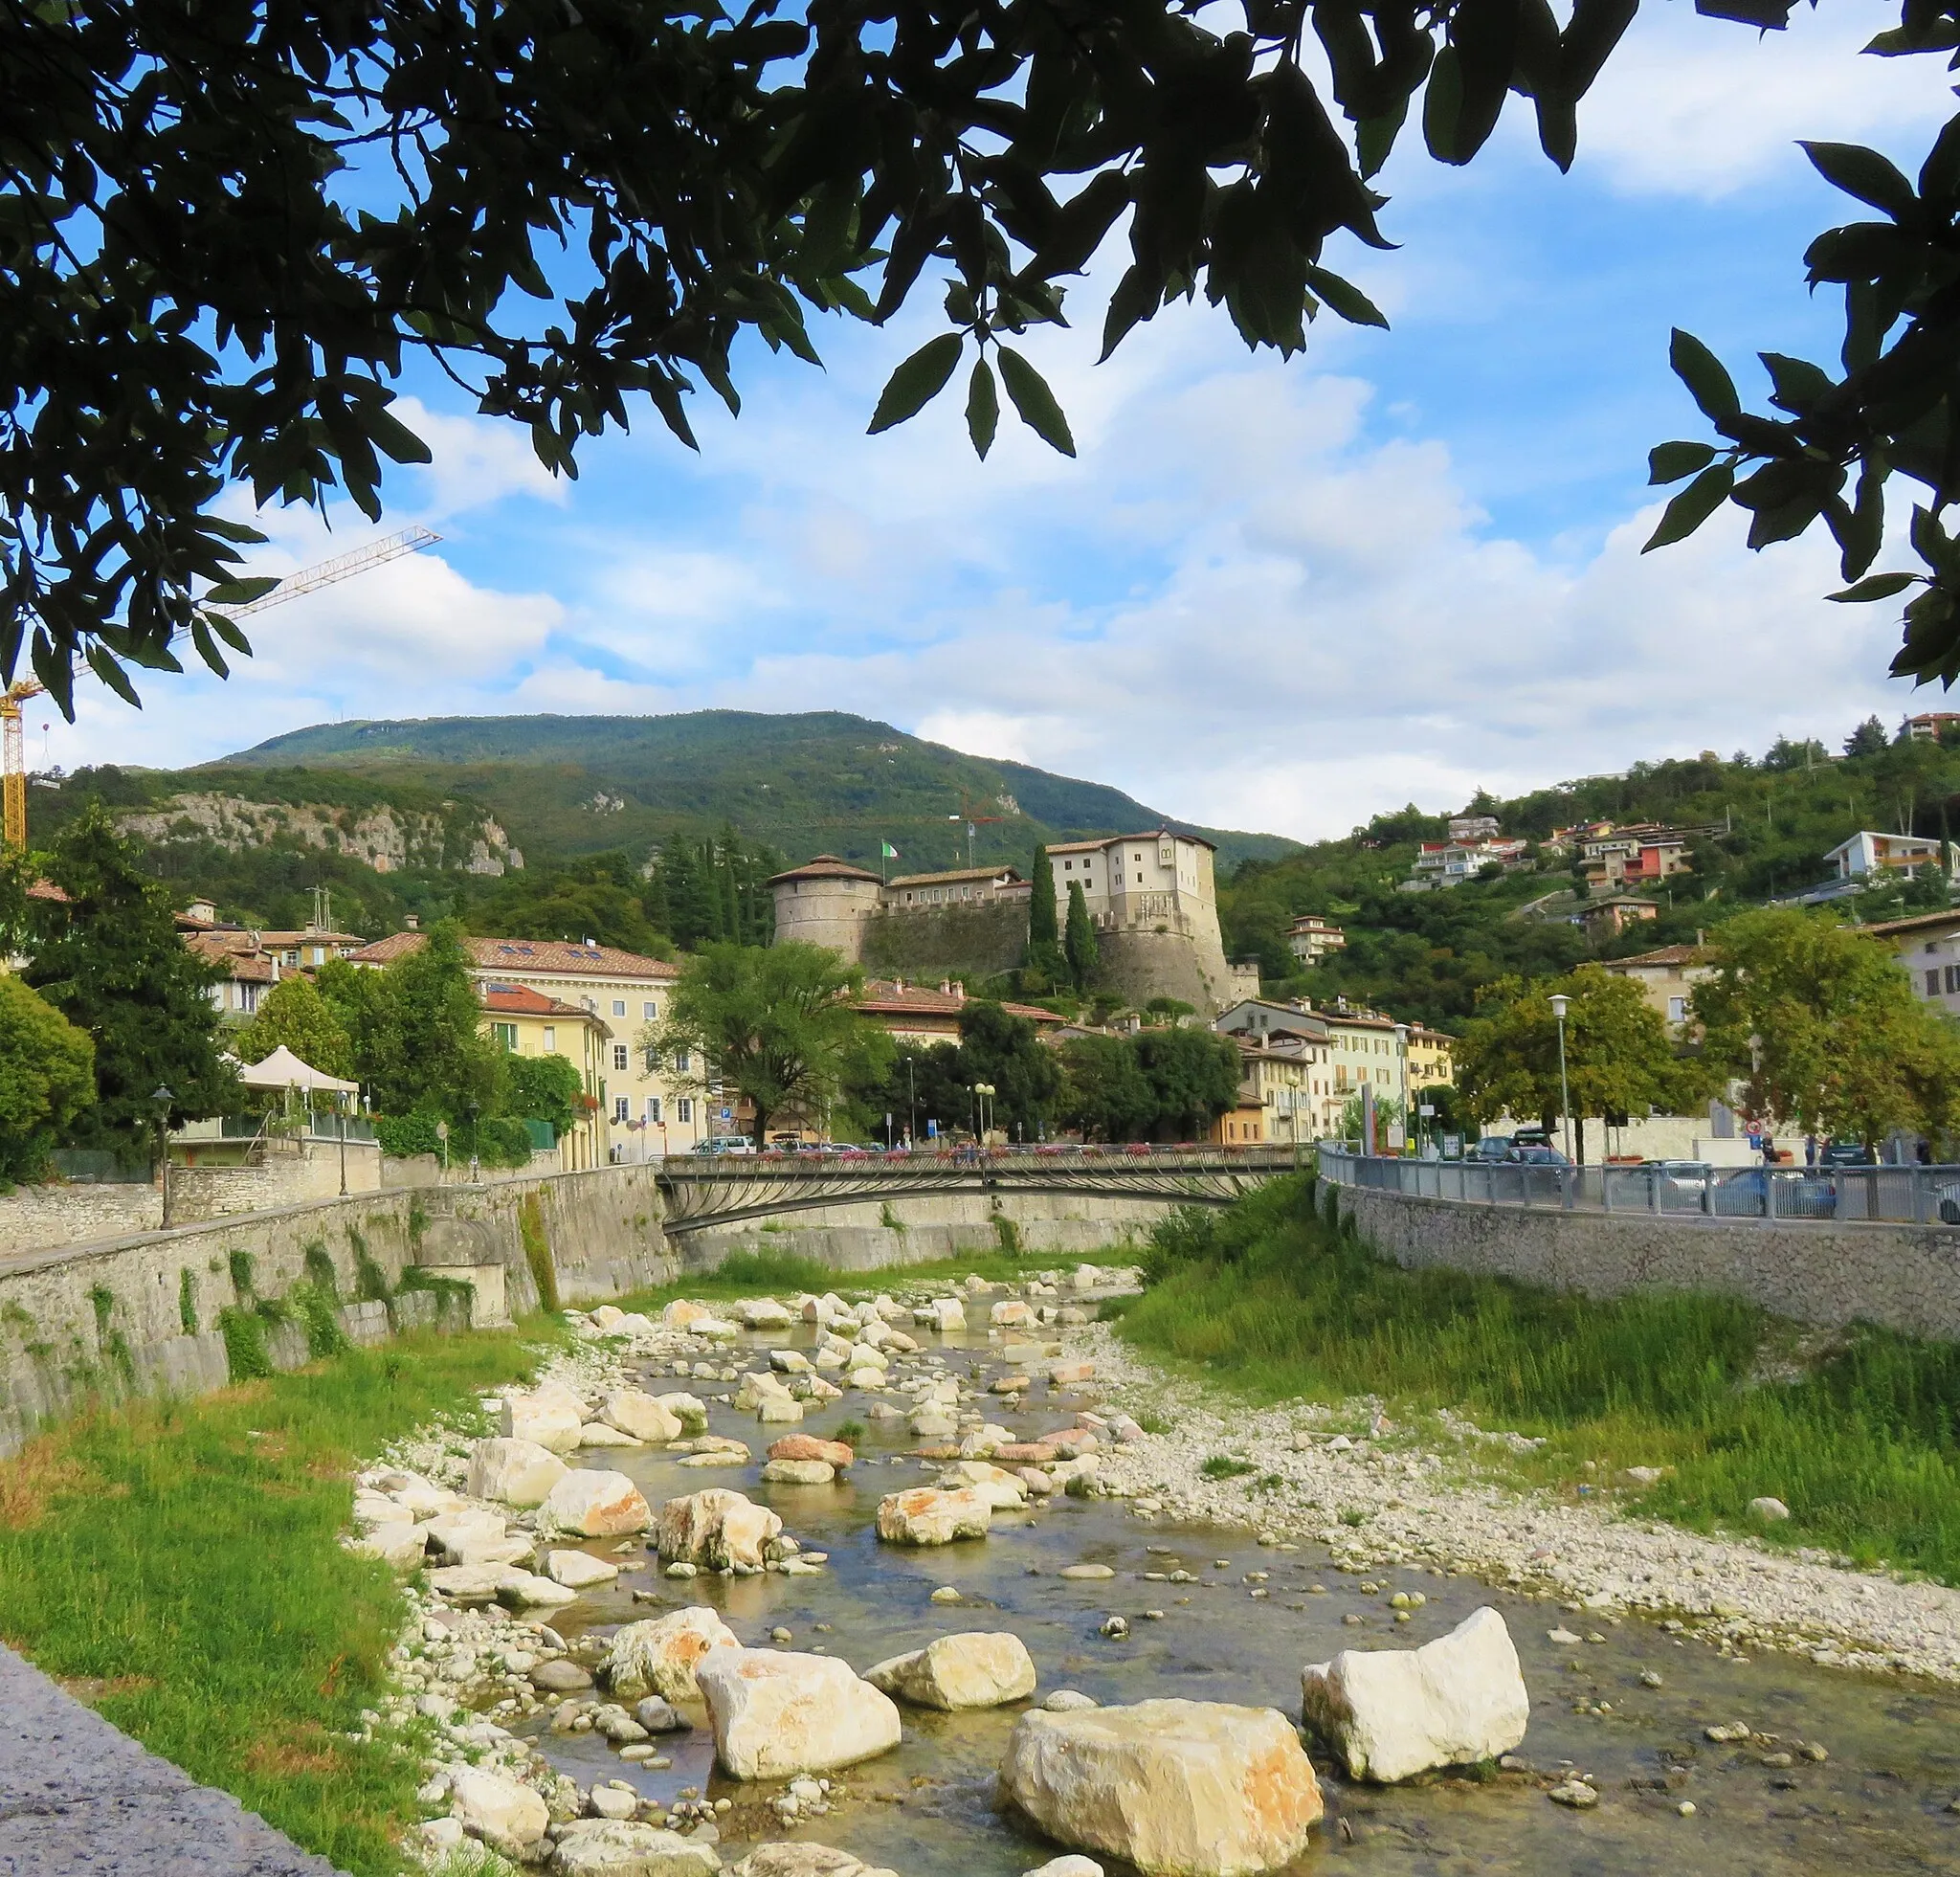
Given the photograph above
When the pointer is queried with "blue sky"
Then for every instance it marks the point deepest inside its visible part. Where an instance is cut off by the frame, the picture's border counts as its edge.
(1266, 594)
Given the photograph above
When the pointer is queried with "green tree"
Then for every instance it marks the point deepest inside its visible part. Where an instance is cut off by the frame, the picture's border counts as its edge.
(47, 1079)
(1105, 1095)
(107, 956)
(1045, 961)
(1388, 1111)
(1006, 1052)
(1869, 739)
(1618, 1056)
(1823, 1027)
(599, 897)
(293, 1013)
(418, 1037)
(920, 1083)
(1079, 942)
(545, 1089)
(1193, 1077)
(776, 1022)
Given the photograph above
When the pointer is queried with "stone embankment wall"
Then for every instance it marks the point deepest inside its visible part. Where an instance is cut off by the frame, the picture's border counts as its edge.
(874, 1237)
(1903, 1277)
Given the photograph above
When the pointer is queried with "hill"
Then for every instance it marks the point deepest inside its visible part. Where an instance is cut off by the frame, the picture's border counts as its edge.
(807, 783)
(1427, 956)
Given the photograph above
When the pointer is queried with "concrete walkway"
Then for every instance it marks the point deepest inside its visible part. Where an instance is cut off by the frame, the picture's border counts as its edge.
(76, 1796)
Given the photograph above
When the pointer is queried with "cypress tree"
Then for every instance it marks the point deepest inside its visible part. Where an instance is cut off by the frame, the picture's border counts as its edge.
(1043, 933)
(1080, 940)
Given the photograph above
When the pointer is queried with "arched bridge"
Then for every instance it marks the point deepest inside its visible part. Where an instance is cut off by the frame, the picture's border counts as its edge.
(703, 1189)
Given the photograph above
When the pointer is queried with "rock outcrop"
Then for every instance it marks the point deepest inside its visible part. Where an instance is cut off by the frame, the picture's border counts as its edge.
(776, 1713)
(720, 1528)
(926, 1515)
(658, 1656)
(972, 1671)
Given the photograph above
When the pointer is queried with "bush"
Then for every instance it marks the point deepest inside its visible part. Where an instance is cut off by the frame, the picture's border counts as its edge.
(404, 1136)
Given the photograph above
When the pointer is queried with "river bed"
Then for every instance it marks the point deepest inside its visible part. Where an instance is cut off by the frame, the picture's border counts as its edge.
(1880, 1803)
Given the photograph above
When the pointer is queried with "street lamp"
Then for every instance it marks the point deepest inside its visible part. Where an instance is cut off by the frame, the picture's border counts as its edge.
(471, 1108)
(1565, 1088)
(162, 1101)
(981, 1091)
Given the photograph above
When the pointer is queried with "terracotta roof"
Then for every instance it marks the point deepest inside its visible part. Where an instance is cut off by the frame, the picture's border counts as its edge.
(826, 867)
(1112, 840)
(550, 957)
(1002, 874)
(1667, 954)
(521, 1001)
(46, 889)
(1918, 922)
(887, 999)
(241, 965)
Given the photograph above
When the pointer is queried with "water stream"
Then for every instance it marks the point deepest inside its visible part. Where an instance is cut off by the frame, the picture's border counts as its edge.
(1878, 1804)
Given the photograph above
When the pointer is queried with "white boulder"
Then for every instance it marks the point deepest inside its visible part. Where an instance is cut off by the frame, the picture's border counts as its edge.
(578, 1570)
(764, 1314)
(614, 1847)
(776, 1714)
(547, 1418)
(976, 1669)
(927, 1515)
(475, 1537)
(658, 1656)
(1003, 1490)
(948, 1313)
(507, 1817)
(526, 1590)
(513, 1471)
(596, 1504)
(1391, 1713)
(400, 1546)
(720, 1528)
(634, 1412)
(1184, 1788)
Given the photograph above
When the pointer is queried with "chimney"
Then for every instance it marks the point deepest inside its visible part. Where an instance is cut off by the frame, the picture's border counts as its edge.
(960, 990)
(413, 921)
(945, 987)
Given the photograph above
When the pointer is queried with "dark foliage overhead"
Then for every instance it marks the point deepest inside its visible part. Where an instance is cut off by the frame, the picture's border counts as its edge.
(229, 222)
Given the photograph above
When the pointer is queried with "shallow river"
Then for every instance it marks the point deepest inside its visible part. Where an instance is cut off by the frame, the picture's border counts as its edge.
(1878, 1804)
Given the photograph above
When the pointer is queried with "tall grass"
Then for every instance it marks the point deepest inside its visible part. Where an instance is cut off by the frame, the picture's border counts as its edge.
(1861, 1440)
(179, 1561)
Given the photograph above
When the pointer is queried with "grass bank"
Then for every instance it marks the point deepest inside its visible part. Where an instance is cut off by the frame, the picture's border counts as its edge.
(774, 1274)
(176, 1563)
(1859, 1434)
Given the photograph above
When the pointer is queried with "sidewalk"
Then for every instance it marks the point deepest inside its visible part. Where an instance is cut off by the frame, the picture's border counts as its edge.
(76, 1796)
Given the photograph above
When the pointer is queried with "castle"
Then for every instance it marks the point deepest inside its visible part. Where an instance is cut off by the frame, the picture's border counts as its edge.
(1152, 898)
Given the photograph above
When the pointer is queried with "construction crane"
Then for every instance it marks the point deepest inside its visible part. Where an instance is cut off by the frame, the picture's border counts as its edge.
(323, 574)
(973, 820)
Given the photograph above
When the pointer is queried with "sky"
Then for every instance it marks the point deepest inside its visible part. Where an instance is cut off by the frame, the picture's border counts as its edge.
(1266, 594)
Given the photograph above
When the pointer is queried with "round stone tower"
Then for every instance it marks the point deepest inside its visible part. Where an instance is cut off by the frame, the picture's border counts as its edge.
(827, 902)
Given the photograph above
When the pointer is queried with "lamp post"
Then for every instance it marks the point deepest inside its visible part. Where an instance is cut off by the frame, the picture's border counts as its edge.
(471, 1107)
(162, 1100)
(1565, 1089)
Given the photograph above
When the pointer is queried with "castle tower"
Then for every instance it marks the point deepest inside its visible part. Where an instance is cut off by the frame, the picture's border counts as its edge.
(826, 901)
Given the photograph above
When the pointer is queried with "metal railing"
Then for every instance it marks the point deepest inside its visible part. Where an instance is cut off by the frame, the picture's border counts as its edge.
(1904, 1196)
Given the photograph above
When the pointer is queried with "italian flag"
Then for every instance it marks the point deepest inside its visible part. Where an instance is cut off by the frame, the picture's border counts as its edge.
(887, 850)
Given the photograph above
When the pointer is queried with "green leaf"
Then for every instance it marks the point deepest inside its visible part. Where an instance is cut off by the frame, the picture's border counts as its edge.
(1344, 298)
(1669, 462)
(1035, 402)
(1866, 174)
(983, 408)
(917, 382)
(1693, 506)
(1442, 104)
(1876, 586)
(1705, 375)
(238, 593)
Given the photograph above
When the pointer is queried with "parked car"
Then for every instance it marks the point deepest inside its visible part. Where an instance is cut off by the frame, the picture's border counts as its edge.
(1845, 1154)
(724, 1144)
(1492, 1147)
(1682, 1181)
(1745, 1193)
(1533, 1154)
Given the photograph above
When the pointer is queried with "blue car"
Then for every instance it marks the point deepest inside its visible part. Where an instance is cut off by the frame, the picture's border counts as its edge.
(1744, 1195)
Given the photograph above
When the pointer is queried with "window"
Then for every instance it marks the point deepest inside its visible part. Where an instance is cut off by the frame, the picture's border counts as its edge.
(647, 1010)
(1068, 867)
(618, 1006)
(620, 1059)
(652, 1062)
(589, 1005)
(621, 1109)
(1954, 977)
(1932, 982)
(653, 1110)
(506, 1034)
(248, 997)
(686, 1107)
(551, 1038)
(683, 1065)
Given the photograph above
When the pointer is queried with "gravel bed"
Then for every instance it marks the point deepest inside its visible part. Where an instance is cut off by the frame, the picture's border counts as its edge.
(1736, 1594)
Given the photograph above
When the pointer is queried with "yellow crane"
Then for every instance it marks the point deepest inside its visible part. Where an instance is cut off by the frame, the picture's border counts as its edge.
(322, 574)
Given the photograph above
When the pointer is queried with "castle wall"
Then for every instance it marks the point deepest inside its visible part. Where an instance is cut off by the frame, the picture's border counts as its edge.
(826, 912)
(977, 941)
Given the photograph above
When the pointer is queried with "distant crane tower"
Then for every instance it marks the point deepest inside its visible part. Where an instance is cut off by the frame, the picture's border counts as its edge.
(970, 815)
(323, 574)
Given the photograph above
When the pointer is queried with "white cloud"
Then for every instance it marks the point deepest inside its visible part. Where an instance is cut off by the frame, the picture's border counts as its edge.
(476, 461)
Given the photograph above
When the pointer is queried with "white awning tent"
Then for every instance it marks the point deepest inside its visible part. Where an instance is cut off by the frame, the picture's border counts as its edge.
(282, 1070)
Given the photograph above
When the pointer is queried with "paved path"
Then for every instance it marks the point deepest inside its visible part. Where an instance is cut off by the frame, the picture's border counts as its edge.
(79, 1799)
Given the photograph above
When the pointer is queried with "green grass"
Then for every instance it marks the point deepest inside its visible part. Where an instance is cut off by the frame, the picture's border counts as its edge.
(1860, 1439)
(179, 1563)
(777, 1274)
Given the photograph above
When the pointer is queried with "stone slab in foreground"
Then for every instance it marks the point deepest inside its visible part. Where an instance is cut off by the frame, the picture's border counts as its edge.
(79, 1799)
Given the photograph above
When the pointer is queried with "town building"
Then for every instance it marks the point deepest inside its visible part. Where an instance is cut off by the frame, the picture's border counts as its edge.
(1667, 978)
(1339, 1049)
(1608, 918)
(1451, 863)
(527, 1023)
(1313, 939)
(1152, 898)
(1432, 1059)
(918, 1014)
(1473, 827)
(1278, 1090)
(1932, 725)
(1927, 949)
(648, 1105)
(250, 960)
(1868, 856)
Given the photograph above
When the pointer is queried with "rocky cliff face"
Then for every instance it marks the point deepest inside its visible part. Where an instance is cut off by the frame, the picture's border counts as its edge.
(386, 838)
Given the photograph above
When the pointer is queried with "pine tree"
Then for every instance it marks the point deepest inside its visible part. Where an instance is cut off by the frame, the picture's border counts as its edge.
(1044, 959)
(1079, 942)
(1867, 740)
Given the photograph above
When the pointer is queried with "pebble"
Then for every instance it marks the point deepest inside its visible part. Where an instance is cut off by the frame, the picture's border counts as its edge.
(1576, 1793)
(1087, 1572)
(1687, 1808)
(945, 1594)
(1115, 1628)
(1068, 1701)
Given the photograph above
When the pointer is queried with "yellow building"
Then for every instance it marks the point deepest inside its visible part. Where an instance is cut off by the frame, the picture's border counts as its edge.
(529, 1023)
(1430, 1061)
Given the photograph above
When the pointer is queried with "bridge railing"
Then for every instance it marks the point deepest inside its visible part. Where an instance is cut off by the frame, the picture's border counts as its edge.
(1911, 1194)
(939, 1160)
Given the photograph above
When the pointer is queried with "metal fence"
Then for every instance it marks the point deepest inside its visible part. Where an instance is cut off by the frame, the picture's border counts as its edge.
(1911, 1195)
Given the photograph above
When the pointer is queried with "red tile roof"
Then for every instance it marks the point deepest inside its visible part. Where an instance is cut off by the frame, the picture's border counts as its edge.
(521, 1001)
(887, 999)
(826, 867)
(549, 957)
